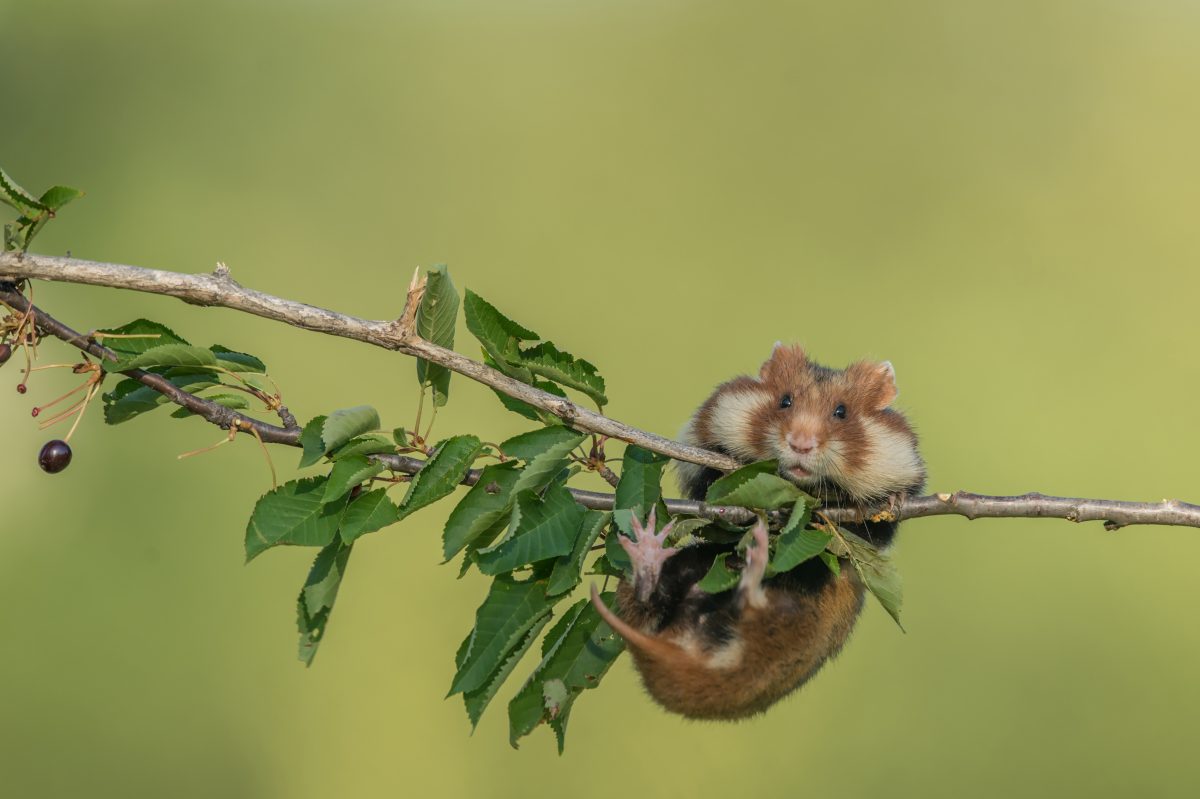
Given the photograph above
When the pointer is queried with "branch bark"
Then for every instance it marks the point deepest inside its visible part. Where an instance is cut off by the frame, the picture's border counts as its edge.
(220, 290)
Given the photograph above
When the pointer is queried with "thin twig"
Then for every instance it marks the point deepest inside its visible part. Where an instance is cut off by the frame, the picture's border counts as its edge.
(220, 289)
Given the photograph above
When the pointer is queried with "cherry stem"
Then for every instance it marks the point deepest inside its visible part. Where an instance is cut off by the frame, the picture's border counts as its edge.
(202, 450)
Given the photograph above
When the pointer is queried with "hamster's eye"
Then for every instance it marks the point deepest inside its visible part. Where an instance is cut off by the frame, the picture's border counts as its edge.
(840, 412)
(786, 402)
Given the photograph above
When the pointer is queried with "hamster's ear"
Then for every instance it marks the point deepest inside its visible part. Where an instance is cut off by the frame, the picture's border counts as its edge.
(784, 359)
(877, 382)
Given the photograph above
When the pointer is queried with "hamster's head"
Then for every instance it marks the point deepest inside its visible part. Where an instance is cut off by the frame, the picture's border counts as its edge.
(834, 431)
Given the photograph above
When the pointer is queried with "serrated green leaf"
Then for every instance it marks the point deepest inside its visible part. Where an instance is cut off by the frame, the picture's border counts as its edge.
(369, 444)
(237, 402)
(294, 513)
(311, 442)
(499, 335)
(485, 504)
(641, 478)
(367, 513)
(511, 609)
(529, 411)
(564, 368)
(477, 701)
(129, 398)
(685, 528)
(528, 446)
(441, 474)
(56, 197)
(400, 436)
(482, 542)
(796, 544)
(831, 560)
(13, 195)
(543, 467)
(316, 599)
(576, 654)
(753, 486)
(165, 355)
(343, 425)
(568, 568)
(877, 571)
(147, 336)
(719, 578)
(614, 553)
(435, 322)
(347, 473)
(237, 361)
(546, 529)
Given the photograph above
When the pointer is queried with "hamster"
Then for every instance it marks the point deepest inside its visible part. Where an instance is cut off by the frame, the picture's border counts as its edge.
(734, 654)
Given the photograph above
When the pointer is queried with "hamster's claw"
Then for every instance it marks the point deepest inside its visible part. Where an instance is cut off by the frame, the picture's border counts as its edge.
(647, 554)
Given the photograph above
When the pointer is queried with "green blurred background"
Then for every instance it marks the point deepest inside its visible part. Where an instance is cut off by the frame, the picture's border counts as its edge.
(999, 197)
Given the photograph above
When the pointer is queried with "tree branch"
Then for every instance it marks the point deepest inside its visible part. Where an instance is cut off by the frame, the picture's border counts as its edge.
(219, 289)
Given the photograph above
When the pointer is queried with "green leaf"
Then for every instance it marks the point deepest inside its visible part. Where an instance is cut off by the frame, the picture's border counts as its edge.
(147, 336)
(524, 408)
(567, 569)
(165, 355)
(831, 560)
(544, 466)
(641, 478)
(237, 361)
(435, 323)
(15, 196)
(795, 543)
(720, 577)
(310, 440)
(603, 567)
(753, 486)
(370, 511)
(441, 474)
(400, 436)
(295, 513)
(316, 599)
(511, 609)
(546, 529)
(528, 446)
(348, 473)
(237, 402)
(477, 701)
(56, 197)
(564, 368)
(343, 425)
(129, 398)
(876, 569)
(485, 504)
(499, 335)
(369, 444)
(576, 654)
(614, 554)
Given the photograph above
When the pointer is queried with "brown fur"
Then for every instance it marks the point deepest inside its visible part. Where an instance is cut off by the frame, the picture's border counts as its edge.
(725, 656)
(783, 645)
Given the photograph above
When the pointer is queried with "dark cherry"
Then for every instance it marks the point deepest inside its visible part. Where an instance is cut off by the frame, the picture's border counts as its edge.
(21, 389)
(55, 456)
(5, 353)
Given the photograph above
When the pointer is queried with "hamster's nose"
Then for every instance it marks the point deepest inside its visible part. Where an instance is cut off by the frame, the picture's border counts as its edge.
(802, 443)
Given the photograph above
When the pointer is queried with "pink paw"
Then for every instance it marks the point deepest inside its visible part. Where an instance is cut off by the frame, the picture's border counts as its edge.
(647, 554)
(750, 588)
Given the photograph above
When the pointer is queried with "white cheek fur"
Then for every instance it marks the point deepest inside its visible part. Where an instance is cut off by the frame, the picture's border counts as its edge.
(731, 421)
(891, 465)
